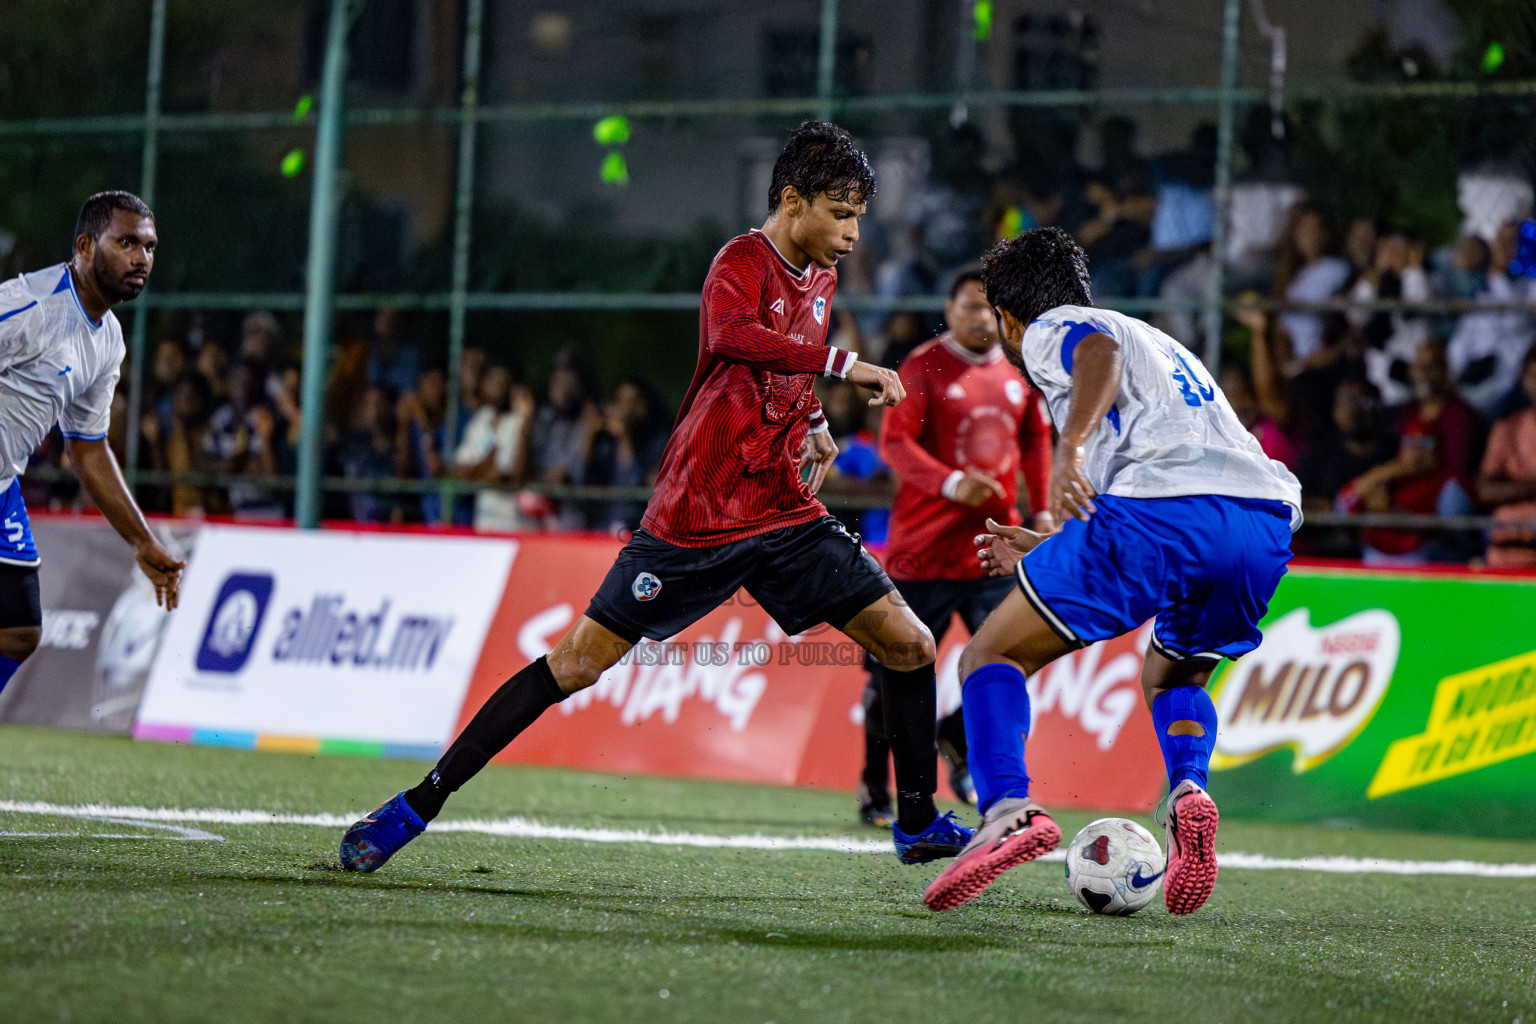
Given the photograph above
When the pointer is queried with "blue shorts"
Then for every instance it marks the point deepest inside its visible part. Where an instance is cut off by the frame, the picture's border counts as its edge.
(1203, 566)
(16, 544)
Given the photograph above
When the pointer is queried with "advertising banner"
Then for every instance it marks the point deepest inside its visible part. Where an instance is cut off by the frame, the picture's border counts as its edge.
(101, 627)
(1390, 699)
(348, 642)
(733, 698)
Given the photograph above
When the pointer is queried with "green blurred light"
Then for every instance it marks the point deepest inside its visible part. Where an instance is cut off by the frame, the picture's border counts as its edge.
(982, 12)
(302, 108)
(293, 163)
(615, 169)
(1493, 57)
(1013, 222)
(611, 131)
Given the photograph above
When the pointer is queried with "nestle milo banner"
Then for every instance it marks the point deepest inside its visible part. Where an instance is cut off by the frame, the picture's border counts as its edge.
(1388, 699)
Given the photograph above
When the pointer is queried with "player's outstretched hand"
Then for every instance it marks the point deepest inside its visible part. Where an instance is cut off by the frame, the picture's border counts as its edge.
(975, 488)
(1003, 546)
(884, 383)
(1071, 493)
(817, 451)
(163, 570)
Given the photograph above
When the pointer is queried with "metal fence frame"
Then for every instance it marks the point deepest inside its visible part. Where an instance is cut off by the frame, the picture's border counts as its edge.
(331, 119)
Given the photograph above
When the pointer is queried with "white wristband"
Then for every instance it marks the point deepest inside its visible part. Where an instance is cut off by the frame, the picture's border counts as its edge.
(839, 362)
(951, 484)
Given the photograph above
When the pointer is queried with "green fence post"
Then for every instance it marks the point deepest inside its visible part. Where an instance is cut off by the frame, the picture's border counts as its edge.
(147, 170)
(320, 280)
(463, 204)
(1231, 67)
(826, 59)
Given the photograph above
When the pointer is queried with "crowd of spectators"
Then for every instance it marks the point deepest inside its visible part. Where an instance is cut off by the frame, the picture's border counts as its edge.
(1391, 374)
(226, 419)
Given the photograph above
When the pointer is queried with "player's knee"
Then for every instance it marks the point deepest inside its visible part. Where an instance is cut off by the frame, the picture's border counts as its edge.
(911, 652)
(18, 642)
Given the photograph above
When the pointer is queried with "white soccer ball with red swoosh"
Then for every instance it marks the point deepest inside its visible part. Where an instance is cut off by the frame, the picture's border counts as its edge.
(1114, 866)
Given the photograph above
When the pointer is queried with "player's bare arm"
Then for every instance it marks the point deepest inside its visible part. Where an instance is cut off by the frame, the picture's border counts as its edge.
(97, 469)
(1096, 371)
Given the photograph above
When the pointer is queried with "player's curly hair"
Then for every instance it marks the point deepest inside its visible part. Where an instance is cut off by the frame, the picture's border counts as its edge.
(821, 160)
(1038, 270)
(96, 215)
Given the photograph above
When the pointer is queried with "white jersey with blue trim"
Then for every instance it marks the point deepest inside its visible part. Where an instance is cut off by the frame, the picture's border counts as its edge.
(57, 365)
(1171, 432)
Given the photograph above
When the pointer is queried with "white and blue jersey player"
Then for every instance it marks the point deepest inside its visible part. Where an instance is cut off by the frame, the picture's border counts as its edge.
(1172, 513)
(61, 352)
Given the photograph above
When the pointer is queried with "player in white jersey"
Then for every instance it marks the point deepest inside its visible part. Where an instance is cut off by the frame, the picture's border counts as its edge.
(61, 350)
(1170, 512)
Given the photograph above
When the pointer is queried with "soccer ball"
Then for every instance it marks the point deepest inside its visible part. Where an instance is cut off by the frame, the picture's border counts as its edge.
(1114, 866)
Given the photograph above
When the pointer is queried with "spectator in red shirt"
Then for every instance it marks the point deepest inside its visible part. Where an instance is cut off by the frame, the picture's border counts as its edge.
(1508, 479)
(970, 426)
(1439, 438)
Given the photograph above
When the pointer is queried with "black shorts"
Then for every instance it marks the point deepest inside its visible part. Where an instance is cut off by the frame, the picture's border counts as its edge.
(20, 601)
(801, 575)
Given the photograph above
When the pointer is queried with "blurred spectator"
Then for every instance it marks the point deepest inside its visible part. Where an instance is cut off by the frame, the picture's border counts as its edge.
(261, 343)
(170, 364)
(1262, 200)
(1487, 346)
(1466, 275)
(1236, 382)
(1119, 231)
(626, 452)
(290, 414)
(1308, 273)
(904, 331)
(186, 448)
(1431, 473)
(1396, 271)
(365, 449)
(494, 450)
(242, 440)
(1508, 479)
(421, 421)
(1490, 197)
(393, 361)
(213, 364)
(1177, 265)
(1360, 245)
(563, 430)
(1354, 442)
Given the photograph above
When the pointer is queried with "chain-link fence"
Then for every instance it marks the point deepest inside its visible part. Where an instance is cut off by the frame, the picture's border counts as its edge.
(510, 206)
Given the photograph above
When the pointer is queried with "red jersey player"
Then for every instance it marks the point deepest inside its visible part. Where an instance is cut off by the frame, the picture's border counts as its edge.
(969, 426)
(730, 510)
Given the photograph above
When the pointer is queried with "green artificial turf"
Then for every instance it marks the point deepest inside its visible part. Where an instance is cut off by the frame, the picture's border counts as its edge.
(466, 927)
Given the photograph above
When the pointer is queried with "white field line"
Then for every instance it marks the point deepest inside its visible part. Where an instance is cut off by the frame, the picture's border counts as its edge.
(526, 828)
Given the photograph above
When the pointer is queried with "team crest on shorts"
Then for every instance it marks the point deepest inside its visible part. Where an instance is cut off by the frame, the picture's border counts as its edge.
(645, 587)
(819, 308)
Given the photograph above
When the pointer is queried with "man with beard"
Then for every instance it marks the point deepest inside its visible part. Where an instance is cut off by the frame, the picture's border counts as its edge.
(61, 350)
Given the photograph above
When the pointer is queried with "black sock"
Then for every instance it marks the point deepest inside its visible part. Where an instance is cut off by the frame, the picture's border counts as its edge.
(911, 701)
(877, 747)
(511, 709)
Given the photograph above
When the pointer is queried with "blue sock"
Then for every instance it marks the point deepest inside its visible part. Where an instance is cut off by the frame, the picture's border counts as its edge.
(1187, 756)
(996, 718)
(8, 667)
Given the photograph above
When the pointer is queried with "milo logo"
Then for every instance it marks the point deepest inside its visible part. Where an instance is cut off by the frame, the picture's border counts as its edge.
(1311, 689)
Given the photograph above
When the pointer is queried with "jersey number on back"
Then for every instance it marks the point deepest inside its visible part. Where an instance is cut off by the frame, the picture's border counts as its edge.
(1193, 390)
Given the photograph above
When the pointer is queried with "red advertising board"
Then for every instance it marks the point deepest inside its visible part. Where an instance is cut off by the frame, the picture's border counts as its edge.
(733, 698)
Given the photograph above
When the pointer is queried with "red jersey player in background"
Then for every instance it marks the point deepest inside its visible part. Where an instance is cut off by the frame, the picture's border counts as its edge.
(730, 510)
(969, 427)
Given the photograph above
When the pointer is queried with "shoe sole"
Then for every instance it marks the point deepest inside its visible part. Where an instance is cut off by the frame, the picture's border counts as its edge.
(1191, 876)
(965, 879)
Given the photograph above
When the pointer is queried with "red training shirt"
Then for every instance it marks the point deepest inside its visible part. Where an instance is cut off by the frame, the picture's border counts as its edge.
(730, 469)
(964, 410)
